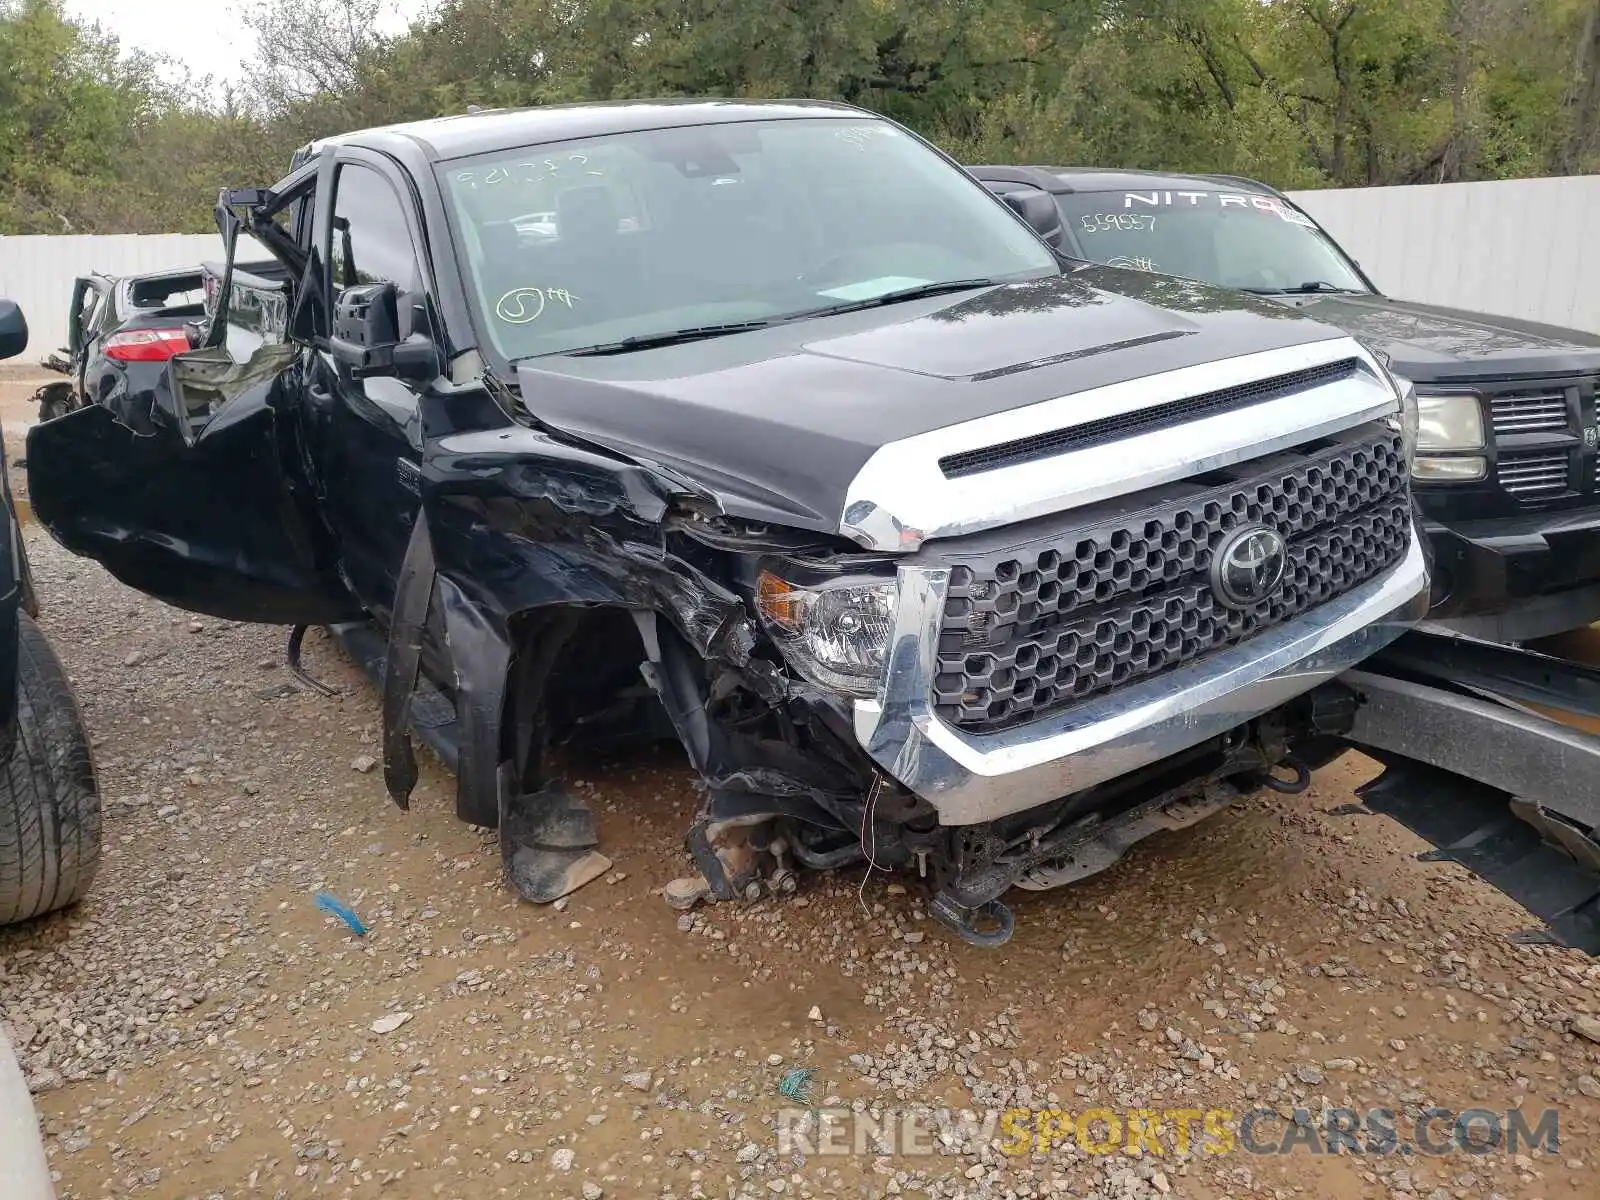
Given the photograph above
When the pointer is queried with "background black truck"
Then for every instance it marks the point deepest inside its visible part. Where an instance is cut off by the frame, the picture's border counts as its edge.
(1508, 475)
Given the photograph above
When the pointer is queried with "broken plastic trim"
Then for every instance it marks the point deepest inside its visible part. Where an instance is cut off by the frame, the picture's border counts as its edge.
(402, 662)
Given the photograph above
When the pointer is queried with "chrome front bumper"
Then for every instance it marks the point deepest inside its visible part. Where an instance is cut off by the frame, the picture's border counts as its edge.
(972, 778)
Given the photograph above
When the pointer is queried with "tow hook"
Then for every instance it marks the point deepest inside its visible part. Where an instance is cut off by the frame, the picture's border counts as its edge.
(1289, 787)
(994, 917)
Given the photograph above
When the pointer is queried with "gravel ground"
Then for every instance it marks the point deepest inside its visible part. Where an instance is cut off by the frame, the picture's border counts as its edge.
(199, 1028)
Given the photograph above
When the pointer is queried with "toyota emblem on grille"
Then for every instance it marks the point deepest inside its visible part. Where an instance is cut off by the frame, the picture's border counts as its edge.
(1248, 566)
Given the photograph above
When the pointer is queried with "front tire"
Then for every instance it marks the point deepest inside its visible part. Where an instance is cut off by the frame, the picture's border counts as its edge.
(49, 804)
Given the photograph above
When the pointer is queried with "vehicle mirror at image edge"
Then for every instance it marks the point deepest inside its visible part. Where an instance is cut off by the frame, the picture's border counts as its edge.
(13, 329)
(366, 336)
(1038, 209)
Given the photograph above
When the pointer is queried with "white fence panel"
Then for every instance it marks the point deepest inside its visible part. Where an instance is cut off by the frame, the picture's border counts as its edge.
(1526, 248)
(1523, 247)
(37, 272)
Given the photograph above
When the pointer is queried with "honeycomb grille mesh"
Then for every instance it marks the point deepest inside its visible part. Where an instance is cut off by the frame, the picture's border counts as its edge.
(1029, 631)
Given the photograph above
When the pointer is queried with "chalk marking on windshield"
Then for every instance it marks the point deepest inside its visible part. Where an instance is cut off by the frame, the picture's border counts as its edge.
(859, 135)
(1134, 264)
(1106, 222)
(531, 172)
(523, 306)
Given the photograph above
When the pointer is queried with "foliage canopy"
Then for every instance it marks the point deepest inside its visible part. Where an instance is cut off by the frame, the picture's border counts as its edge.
(1301, 93)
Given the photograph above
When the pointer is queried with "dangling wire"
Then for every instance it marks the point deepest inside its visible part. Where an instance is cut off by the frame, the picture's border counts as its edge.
(869, 838)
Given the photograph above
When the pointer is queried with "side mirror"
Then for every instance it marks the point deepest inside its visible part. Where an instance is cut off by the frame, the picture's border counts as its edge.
(13, 329)
(1038, 209)
(366, 336)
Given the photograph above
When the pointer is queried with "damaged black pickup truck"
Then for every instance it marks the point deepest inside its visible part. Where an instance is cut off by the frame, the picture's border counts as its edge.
(784, 432)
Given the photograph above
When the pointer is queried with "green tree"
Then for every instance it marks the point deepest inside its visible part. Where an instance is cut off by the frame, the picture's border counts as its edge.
(1296, 92)
(68, 102)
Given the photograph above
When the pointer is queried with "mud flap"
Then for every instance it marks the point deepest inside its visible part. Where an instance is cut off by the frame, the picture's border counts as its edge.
(1544, 863)
(547, 835)
(723, 881)
(547, 843)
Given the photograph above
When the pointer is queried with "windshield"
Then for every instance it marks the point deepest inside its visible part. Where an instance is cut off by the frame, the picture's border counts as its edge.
(1233, 239)
(634, 235)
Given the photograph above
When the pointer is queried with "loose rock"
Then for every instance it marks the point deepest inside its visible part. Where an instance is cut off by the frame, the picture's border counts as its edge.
(390, 1022)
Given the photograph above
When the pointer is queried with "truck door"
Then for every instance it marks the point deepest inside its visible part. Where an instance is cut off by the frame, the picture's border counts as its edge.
(210, 510)
(221, 524)
(365, 434)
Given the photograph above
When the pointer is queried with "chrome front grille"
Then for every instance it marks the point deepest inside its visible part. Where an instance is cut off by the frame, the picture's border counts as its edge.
(1529, 412)
(1533, 475)
(1123, 592)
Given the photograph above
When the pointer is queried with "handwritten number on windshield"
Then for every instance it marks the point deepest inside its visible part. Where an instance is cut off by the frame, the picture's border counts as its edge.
(1105, 222)
(860, 135)
(530, 172)
(524, 306)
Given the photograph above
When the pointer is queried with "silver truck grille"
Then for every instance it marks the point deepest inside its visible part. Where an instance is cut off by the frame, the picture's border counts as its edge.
(1533, 475)
(1529, 412)
(1123, 593)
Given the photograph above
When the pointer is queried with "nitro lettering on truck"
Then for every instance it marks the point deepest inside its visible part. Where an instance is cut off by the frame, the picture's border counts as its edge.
(1270, 205)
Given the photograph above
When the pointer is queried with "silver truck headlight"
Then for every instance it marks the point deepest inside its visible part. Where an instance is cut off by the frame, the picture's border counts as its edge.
(1408, 417)
(1450, 422)
(834, 633)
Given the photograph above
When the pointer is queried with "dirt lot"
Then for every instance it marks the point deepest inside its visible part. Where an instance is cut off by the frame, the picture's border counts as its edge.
(199, 1028)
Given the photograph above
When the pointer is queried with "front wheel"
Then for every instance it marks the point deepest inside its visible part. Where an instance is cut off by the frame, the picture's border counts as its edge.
(49, 804)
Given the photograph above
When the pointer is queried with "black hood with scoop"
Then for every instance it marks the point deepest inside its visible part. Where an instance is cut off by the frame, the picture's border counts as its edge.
(778, 421)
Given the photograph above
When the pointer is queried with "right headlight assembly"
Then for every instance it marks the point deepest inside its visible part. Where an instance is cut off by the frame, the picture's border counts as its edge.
(1450, 437)
(834, 632)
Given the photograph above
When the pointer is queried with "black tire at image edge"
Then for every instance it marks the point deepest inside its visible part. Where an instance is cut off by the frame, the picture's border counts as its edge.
(49, 804)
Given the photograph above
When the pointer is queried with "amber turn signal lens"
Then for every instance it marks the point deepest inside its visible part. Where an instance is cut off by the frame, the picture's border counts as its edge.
(779, 601)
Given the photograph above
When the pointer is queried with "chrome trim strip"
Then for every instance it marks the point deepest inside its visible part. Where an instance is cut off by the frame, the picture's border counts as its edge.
(900, 497)
(971, 778)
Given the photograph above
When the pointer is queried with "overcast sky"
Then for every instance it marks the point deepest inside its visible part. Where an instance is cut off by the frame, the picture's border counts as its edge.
(207, 36)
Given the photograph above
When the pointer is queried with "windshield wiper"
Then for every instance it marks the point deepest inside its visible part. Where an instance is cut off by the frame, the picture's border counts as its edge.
(696, 333)
(1311, 287)
(915, 292)
(671, 337)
